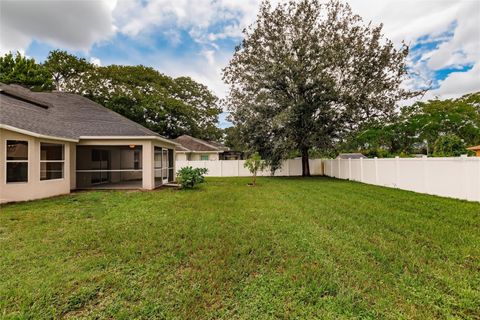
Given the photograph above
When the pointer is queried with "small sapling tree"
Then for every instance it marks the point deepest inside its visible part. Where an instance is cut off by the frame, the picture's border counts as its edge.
(254, 164)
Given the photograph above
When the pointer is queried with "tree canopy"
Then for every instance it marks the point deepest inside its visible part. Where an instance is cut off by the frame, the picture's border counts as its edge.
(418, 128)
(63, 66)
(18, 69)
(308, 73)
(169, 106)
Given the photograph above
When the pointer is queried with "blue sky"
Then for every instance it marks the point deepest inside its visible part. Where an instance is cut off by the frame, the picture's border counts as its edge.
(197, 38)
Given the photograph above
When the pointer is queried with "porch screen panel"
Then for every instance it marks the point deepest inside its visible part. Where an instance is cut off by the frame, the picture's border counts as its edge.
(171, 169)
(109, 167)
(158, 166)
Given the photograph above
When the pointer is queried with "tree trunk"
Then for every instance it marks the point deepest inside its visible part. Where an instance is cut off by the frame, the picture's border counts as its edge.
(305, 164)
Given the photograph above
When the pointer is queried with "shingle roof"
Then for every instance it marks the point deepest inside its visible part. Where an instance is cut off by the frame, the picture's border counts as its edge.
(63, 115)
(218, 145)
(189, 143)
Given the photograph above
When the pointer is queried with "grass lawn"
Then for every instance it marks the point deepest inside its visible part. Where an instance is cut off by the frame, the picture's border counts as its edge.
(289, 248)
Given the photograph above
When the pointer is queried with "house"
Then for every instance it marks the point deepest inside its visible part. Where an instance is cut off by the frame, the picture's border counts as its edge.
(194, 149)
(351, 156)
(475, 149)
(55, 142)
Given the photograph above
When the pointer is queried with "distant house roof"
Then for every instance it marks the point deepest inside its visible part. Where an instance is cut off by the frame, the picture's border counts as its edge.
(475, 148)
(350, 156)
(218, 145)
(191, 144)
(63, 115)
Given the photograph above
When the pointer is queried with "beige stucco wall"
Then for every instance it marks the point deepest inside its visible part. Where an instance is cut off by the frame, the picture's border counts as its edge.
(34, 188)
(181, 156)
(212, 156)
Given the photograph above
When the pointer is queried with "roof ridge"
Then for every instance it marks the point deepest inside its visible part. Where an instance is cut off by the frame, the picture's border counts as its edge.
(205, 143)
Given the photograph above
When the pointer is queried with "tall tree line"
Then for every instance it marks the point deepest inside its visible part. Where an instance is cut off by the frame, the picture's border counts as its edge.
(166, 105)
(435, 127)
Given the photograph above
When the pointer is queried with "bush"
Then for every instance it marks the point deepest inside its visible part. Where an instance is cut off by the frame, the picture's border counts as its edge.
(254, 164)
(449, 146)
(189, 177)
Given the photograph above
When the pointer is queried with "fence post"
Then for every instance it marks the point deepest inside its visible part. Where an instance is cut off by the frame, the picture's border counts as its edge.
(376, 169)
(339, 169)
(425, 173)
(397, 171)
(238, 168)
(463, 157)
(288, 167)
(361, 169)
(221, 168)
(349, 169)
(478, 180)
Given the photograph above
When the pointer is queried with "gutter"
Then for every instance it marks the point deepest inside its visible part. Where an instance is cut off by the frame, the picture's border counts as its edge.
(129, 138)
(199, 151)
(36, 135)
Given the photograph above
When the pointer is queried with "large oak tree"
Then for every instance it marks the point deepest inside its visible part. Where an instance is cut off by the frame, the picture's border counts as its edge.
(308, 73)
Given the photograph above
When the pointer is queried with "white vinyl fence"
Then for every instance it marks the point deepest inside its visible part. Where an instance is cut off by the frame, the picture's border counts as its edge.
(448, 177)
(235, 168)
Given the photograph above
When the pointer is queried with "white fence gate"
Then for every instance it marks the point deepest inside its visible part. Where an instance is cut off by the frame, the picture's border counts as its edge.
(235, 168)
(449, 177)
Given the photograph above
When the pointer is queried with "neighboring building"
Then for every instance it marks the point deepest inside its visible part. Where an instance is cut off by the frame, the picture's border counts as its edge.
(475, 149)
(351, 156)
(194, 149)
(55, 142)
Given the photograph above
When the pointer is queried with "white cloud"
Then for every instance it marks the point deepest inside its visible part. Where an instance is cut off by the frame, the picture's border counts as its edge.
(78, 24)
(410, 19)
(457, 84)
(74, 24)
(134, 17)
(96, 61)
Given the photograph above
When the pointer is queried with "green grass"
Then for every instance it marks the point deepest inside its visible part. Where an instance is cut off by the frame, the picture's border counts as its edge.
(289, 248)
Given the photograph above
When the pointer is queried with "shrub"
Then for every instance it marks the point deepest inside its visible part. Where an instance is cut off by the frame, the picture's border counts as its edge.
(189, 177)
(449, 145)
(254, 164)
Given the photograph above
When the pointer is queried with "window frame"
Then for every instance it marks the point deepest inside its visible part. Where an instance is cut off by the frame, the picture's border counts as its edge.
(51, 161)
(204, 155)
(17, 161)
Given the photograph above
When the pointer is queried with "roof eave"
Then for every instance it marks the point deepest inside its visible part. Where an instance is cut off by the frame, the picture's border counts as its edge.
(34, 134)
(129, 138)
(210, 151)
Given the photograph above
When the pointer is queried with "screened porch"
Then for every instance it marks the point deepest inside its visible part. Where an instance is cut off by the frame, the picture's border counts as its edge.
(122, 167)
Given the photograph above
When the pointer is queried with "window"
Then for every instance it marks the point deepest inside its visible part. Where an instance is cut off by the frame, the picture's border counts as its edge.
(51, 161)
(204, 157)
(17, 161)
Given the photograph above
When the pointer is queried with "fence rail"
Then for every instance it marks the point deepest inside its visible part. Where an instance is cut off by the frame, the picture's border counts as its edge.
(457, 177)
